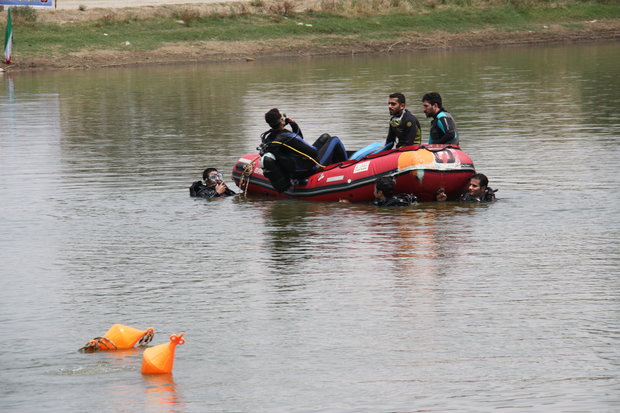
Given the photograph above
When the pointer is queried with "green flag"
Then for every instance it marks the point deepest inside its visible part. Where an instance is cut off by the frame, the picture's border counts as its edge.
(8, 38)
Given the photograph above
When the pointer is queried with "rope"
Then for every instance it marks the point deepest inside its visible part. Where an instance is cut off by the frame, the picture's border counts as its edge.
(147, 337)
(93, 345)
(244, 180)
(299, 152)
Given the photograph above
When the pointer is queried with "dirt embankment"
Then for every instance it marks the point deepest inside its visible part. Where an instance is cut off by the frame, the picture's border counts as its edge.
(217, 51)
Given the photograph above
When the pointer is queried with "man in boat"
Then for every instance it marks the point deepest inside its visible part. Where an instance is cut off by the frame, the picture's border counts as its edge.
(404, 128)
(212, 185)
(443, 126)
(384, 194)
(286, 156)
(478, 190)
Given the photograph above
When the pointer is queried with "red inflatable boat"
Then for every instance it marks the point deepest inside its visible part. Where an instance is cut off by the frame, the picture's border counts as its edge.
(420, 170)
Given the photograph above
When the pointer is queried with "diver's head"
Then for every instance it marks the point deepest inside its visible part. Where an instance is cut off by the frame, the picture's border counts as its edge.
(384, 187)
(274, 117)
(212, 174)
(441, 195)
(478, 183)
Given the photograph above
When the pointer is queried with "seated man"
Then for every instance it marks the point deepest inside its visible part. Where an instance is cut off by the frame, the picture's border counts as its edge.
(285, 155)
(478, 190)
(384, 194)
(213, 185)
(404, 127)
(443, 127)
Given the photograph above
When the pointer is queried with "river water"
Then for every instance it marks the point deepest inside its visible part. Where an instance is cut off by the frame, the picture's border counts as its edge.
(292, 306)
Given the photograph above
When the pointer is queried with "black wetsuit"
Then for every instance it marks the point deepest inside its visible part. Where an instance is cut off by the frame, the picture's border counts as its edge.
(396, 200)
(404, 130)
(296, 156)
(443, 129)
(286, 156)
(488, 196)
(200, 190)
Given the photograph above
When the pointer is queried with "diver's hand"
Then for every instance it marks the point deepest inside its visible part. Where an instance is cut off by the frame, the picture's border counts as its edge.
(220, 188)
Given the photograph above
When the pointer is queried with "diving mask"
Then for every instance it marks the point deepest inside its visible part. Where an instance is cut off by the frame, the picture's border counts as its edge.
(216, 177)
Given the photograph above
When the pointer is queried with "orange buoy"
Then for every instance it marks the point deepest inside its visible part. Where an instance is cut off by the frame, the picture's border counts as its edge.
(119, 337)
(160, 359)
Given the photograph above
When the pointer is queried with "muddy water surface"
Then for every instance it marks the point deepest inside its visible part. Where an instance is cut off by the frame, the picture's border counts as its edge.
(292, 306)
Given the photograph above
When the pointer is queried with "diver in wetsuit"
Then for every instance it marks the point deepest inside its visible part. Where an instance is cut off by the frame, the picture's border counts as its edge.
(404, 127)
(286, 156)
(478, 190)
(212, 186)
(384, 194)
(443, 126)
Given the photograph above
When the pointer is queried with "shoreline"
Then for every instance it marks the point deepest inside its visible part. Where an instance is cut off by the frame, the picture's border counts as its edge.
(288, 46)
(248, 51)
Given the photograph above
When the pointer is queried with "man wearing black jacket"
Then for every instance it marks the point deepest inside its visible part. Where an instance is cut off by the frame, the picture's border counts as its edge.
(404, 127)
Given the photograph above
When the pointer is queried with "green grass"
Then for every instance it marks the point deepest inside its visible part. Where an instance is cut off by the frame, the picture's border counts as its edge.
(44, 39)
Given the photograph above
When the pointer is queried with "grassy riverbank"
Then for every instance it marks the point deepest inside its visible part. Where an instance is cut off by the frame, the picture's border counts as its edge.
(257, 29)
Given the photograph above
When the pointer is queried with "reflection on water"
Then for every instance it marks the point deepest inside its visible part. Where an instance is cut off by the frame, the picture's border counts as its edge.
(298, 306)
(161, 393)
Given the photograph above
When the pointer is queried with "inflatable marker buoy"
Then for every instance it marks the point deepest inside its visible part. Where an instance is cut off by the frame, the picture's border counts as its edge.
(160, 359)
(119, 337)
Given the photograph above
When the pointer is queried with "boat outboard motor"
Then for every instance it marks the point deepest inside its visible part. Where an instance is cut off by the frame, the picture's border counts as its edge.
(273, 171)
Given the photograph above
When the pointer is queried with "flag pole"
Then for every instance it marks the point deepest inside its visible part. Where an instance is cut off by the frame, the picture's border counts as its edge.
(8, 38)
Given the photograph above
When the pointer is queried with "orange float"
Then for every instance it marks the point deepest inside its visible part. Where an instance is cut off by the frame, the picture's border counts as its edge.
(119, 337)
(160, 359)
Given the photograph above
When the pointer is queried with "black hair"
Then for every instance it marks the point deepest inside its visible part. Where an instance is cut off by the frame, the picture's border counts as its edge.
(399, 96)
(432, 98)
(273, 117)
(484, 181)
(385, 184)
(207, 172)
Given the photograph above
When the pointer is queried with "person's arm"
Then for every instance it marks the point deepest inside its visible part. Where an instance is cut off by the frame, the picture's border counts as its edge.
(300, 145)
(446, 124)
(391, 138)
(200, 190)
(294, 127)
(222, 189)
